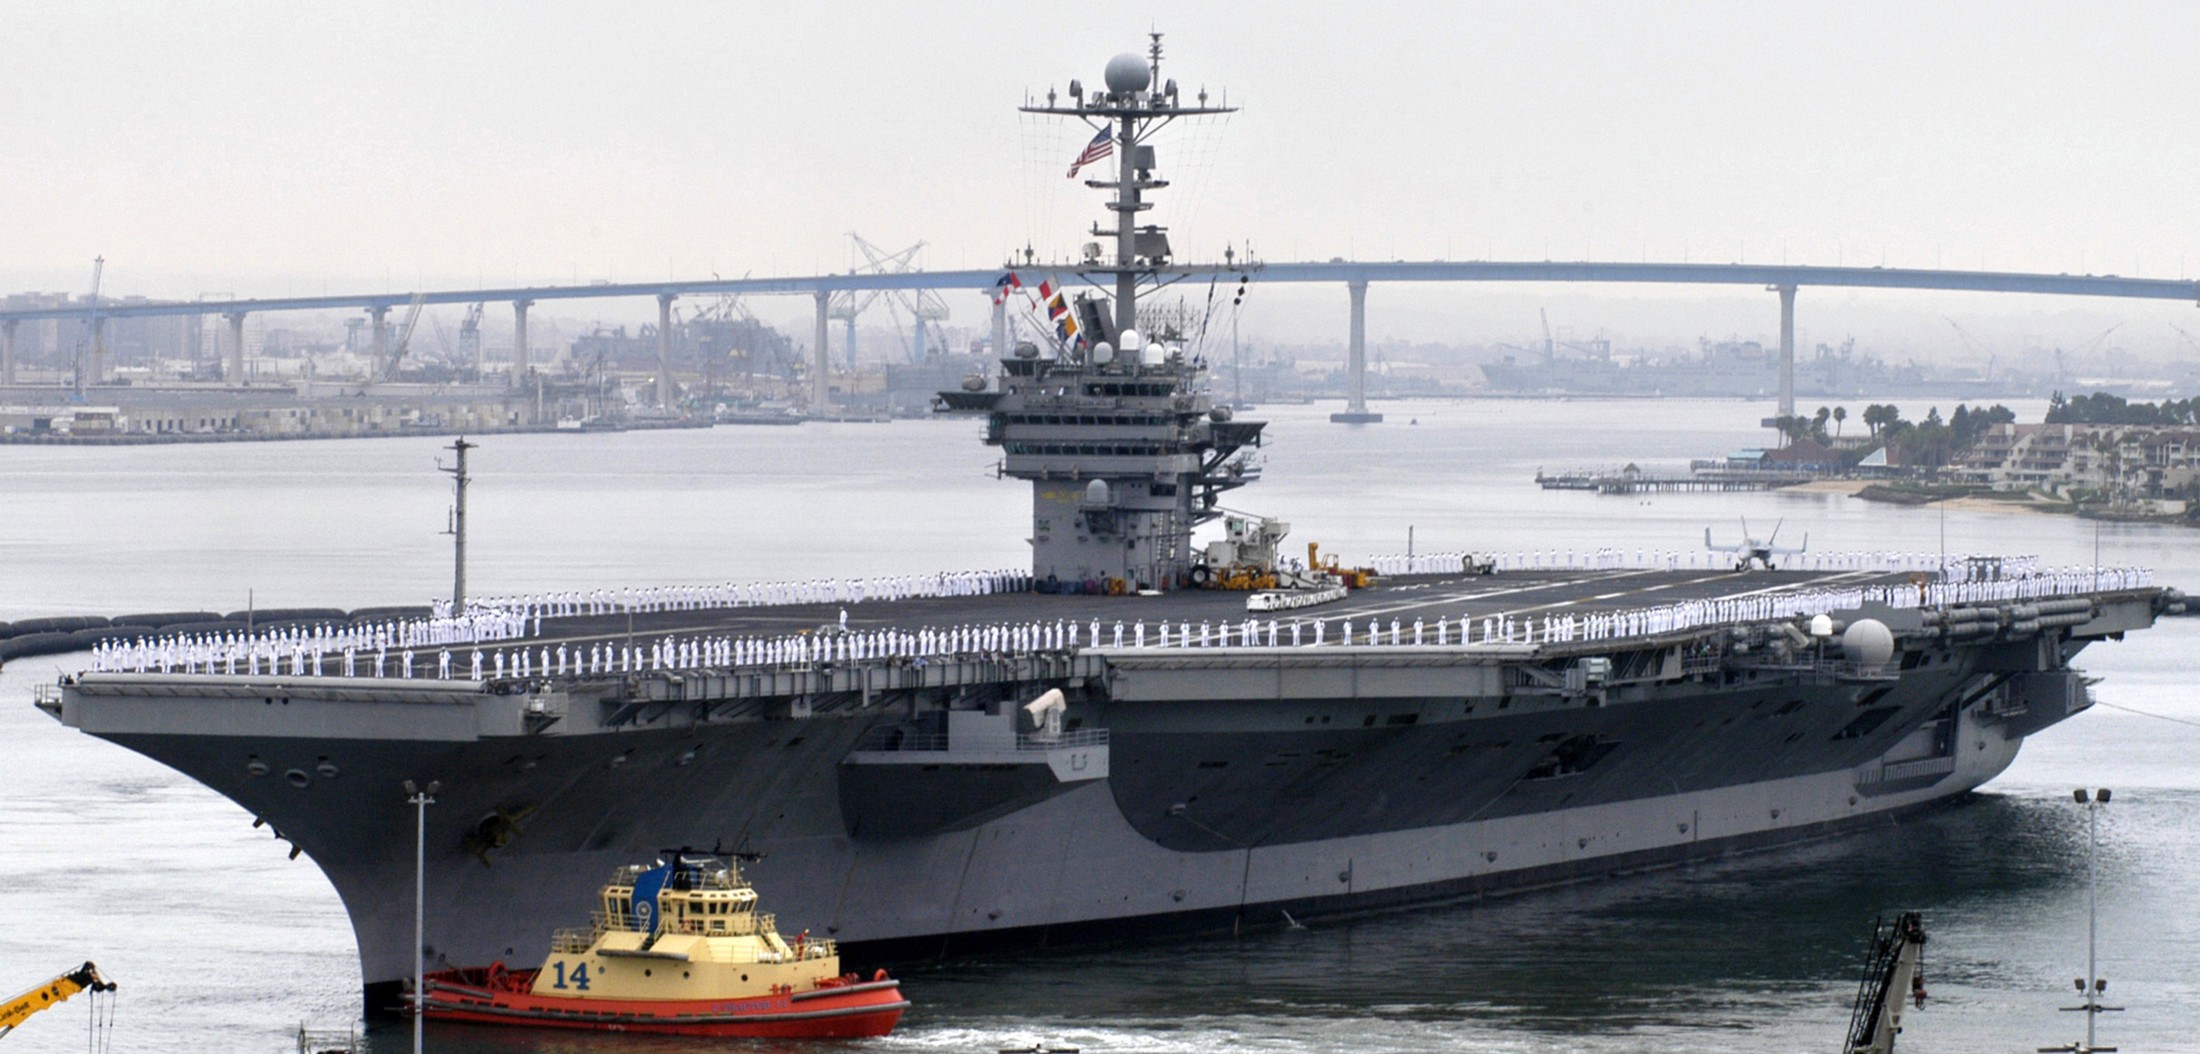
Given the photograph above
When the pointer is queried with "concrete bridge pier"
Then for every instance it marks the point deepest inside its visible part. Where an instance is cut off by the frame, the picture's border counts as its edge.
(99, 351)
(380, 313)
(233, 370)
(7, 351)
(664, 350)
(520, 363)
(1787, 349)
(820, 365)
(1355, 411)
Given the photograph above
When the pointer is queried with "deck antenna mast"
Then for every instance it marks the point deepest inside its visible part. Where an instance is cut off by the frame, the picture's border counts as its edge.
(1136, 104)
(457, 531)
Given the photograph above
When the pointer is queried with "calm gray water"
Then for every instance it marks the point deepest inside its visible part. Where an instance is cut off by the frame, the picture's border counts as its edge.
(224, 945)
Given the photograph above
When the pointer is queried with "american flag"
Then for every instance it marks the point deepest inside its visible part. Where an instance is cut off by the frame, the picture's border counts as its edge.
(1101, 146)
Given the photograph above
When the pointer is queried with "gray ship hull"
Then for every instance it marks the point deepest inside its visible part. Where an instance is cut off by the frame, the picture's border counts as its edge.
(1228, 788)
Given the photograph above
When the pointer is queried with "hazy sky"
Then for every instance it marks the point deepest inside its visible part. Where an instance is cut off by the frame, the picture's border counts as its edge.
(300, 147)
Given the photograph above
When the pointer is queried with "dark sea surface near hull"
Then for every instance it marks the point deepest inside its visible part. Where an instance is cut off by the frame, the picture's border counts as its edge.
(224, 945)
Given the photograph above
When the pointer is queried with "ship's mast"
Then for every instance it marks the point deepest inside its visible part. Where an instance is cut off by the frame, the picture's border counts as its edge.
(1136, 104)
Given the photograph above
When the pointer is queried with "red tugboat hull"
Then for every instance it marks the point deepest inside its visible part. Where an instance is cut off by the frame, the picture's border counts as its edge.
(842, 1008)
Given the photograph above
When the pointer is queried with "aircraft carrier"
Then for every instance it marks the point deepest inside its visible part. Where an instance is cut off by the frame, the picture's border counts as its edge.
(902, 776)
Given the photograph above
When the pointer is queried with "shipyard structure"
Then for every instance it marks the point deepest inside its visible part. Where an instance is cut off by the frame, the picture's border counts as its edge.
(1108, 742)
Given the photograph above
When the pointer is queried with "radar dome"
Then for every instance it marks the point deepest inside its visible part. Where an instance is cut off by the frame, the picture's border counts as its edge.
(1131, 340)
(1103, 353)
(1868, 642)
(1096, 492)
(1128, 73)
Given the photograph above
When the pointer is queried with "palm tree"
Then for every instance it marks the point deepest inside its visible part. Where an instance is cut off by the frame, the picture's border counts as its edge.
(1840, 414)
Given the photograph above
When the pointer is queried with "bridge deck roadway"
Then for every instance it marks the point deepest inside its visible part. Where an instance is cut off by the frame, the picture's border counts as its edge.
(1347, 271)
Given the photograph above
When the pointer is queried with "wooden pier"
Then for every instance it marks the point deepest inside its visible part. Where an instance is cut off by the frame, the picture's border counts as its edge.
(1631, 480)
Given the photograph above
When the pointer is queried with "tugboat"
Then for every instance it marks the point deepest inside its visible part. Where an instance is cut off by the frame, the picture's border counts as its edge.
(679, 949)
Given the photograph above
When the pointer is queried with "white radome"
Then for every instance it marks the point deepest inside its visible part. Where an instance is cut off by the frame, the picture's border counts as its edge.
(1128, 73)
(1868, 642)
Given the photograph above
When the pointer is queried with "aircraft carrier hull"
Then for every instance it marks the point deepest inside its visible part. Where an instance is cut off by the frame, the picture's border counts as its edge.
(1228, 785)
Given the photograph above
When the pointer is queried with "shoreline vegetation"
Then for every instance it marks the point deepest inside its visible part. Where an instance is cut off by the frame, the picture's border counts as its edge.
(1958, 461)
(1972, 498)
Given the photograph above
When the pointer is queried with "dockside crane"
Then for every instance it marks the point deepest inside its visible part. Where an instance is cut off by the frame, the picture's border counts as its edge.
(469, 341)
(2062, 370)
(90, 336)
(1970, 342)
(388, 371)
(50, 994)
(923, 305)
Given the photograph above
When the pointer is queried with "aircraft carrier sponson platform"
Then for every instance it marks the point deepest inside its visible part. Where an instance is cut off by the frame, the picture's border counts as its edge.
(1095, 746)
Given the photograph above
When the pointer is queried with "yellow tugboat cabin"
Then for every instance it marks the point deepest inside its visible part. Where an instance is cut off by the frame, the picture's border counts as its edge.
(688, 930)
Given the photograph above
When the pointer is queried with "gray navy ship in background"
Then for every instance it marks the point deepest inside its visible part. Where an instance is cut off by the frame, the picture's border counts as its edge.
(1736, 369)
(1394, 744)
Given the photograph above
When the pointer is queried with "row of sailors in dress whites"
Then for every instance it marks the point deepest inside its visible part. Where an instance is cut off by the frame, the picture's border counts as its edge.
(903, 645)
(236, 652)
(1955, 567)
(754, 594)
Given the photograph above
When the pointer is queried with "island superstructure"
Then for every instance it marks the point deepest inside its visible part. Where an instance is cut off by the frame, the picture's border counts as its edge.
(1111, 421)
(1103, 752)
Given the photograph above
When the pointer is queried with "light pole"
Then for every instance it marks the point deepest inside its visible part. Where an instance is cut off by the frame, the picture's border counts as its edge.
(420, 801)
(2092, 985)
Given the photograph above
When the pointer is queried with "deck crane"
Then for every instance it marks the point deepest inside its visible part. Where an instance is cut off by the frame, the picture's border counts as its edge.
(45, 996)
(1894, 975)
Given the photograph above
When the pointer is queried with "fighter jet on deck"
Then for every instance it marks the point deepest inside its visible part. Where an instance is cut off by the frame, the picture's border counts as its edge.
(1752, 550)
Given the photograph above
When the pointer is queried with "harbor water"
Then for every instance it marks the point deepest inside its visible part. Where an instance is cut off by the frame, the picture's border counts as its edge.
(221, 943)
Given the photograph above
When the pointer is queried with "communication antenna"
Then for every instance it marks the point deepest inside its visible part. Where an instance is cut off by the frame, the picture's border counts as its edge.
(1137, 103)
(457, 529)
